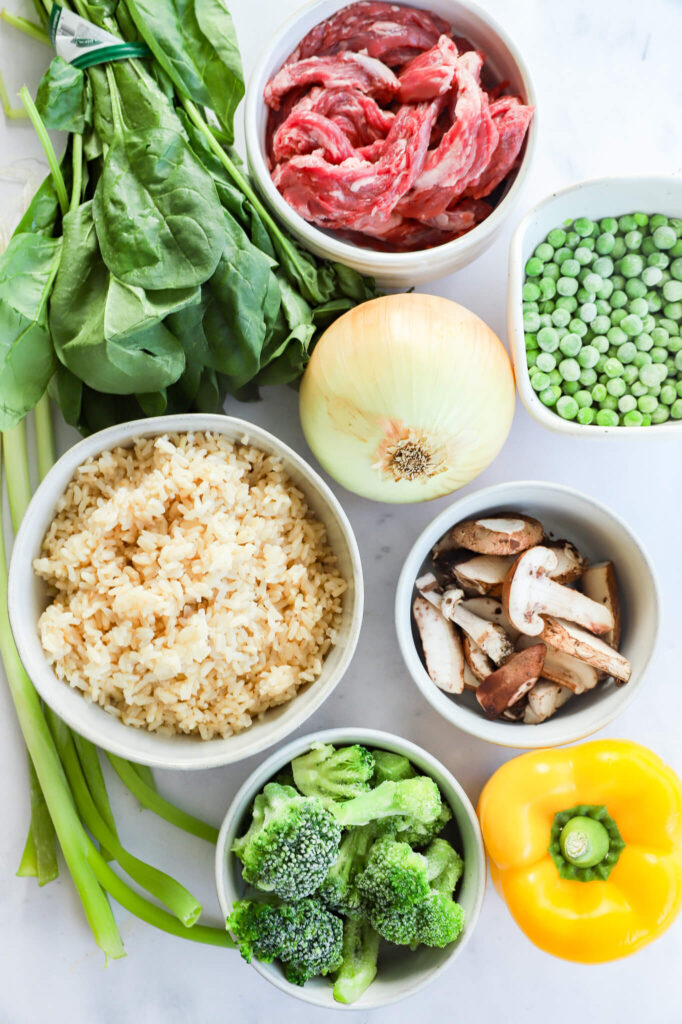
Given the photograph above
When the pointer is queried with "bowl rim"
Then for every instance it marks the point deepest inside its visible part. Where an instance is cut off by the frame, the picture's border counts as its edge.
(521, 736)
(515, 331)
(202, 754)
(369, 736)
(335, 248)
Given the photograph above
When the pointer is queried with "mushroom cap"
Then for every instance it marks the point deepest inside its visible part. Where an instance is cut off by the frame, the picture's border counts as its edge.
(484, 573)
(570, 563)
(511, 681)
(585, 646)
(503, 533)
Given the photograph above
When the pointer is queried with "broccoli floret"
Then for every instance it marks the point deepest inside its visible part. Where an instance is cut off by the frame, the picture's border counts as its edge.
(290, 845)
(359, 967)
(306, 936)
(333, 774)
(389, 767)
(395, 877)
(439, 920)
(416, 833)
(418, 799)
(338, 889)
(444, 866)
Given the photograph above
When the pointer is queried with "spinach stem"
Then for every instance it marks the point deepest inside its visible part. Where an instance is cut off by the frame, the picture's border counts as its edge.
(25, 26)
(77, 165)
(42, 415)
(153, 802)
(13, 113)
(55, 170)
(116, 112)
(174, 895)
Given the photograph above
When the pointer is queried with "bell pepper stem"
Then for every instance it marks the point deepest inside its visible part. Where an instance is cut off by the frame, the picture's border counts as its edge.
(585, 843)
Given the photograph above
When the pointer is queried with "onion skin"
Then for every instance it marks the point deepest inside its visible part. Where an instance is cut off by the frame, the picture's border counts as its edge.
(403, 375)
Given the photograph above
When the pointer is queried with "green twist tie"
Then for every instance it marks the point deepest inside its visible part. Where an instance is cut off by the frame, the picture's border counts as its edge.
(585, 843)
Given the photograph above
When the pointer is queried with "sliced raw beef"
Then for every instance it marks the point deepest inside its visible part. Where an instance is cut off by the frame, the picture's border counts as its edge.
(347, 70)
(305, 132)
(430, 74)
(391, 33)
(512, 119)
(358, 116)
(358, 192)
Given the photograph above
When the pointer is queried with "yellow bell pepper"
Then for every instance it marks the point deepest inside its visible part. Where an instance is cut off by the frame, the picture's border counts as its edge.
(573, 885)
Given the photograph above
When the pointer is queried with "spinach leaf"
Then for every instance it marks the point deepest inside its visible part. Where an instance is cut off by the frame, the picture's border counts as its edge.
(27, 270)
(61, 99)
(195, 44)
(110, 334)
(157, 213)
(42, 212)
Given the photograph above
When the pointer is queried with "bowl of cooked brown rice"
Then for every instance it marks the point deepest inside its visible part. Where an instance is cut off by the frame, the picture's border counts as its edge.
(185, 591)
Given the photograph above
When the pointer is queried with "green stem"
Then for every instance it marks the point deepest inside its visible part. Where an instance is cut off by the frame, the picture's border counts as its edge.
(25, 26)
(43, 753)
(158, 883)
(13, 113)
(42, 415)
(146, 774)
(16, 467)
(150, 799)
(55, 170)
(585, 843)
(42, 832)
(116, 111)
(92, 770)
(28, 865)
(77, 165)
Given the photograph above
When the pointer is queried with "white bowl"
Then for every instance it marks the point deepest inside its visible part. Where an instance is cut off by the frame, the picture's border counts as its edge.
(597, 198)
(599, 534)
(27, 598)
(403, 269)
(403, 972)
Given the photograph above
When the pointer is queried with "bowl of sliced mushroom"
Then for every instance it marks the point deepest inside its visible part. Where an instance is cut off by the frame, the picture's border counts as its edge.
(527, 614)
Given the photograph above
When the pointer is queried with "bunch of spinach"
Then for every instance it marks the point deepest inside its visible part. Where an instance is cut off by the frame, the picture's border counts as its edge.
(147, 276)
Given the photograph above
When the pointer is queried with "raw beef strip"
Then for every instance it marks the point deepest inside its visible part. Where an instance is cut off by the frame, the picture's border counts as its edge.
(359, 194)
(393, 34)
(347, 70)
(465, 215)
(305, 131)
(430, 74)
(512, 119)
(358, 116)
(447, 167)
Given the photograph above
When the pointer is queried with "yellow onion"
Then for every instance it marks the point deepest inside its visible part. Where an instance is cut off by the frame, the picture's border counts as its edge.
(407, 397)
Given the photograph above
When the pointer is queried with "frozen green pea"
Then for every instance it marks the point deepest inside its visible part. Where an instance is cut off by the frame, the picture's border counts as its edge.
(550, 395)
(676, 409)
(654, 392)
(570, 387)
(668, 394)
(619, 249)
(583, 296)
(601, 363)
(556, 237)
(651, 276)
(610, 402)
(641, 219)
(604, 243)
(648, 375)
(555, 377)
(569, 368)
(631, 265)
(588, 377)
(583, 255)
(567, 407)
(600, 324)
(678, 361)
(627, 222)
(560, 317)
(673, 310)
(670, 325)
(617, 315)
(638, 389)
(567, 301)
(635, 288)
(548, 339)
(630, 373)
(570, 268)
(531, 321)
(545, 318)
(570, 345)
(588, 242)
(530, 292)
(607, 418)
(603, 266)
(633, 418)
(551, 271)
(627, 351)
(583, 226)
(632, 325)
(613, 368)
(540, 381)
(618, 299)
(546, 361)
(660, 414)
(564, 253)
(547, 288)
(601, 343)
(664, 237)
(626, 403)
(644, 342)
(658, 354)
(606, 290)
(639, 307)
(678, 388)
(648, 246)
(676, 223)
(658, 259)
(608, 224)
(603, 308)
(588, 312)
(657, 220)
(642, 359)
(544, 251)
(616, 335)
(676, 269)
(633, 239)
(583, 398)
(567, 286)
(676, 250)
(585, 416)
(674, 345)
(572, 239)
(653, 301)
(599, 392)
(648, 323)
(670, 366)
(531, 307)
(588, 356)
(616, 387)
(592, 283)
(531, 359)
(618, 281)
(534, 267)
(578, 327)
(647, 403)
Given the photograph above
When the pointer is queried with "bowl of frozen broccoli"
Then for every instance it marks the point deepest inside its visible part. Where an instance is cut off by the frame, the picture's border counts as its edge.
(350, 868)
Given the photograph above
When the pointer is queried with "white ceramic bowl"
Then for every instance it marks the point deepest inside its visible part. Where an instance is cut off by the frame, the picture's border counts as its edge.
(599, 534)
(391, 270)
(27, 598)
(401, 972)
(597, 198)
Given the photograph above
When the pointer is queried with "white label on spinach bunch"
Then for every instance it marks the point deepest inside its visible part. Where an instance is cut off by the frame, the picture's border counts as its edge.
(83, 44)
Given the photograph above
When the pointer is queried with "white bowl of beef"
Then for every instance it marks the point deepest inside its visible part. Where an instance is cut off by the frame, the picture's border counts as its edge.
(445, 225)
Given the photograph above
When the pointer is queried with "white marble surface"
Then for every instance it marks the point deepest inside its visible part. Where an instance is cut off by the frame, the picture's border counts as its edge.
(608, 80)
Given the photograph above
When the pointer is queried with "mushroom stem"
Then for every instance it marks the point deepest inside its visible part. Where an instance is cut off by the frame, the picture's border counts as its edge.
(492, 639)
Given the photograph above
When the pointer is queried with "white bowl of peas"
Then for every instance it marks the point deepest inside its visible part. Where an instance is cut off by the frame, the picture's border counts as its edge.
(595, 308)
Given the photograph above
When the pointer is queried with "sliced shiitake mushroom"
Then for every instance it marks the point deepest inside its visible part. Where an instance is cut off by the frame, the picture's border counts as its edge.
(492, 611)
(570, 563)
(483, 574)
(503, 533)
(599, 583)
(543, 700)
(442, 646)
(511, 681)
(491, 638)
(571, 639)
(563, 668)
(477, 660)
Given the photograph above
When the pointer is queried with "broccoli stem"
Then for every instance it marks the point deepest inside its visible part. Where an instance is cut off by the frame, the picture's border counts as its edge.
(130, 776)
(359, 967)
(158, 883)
